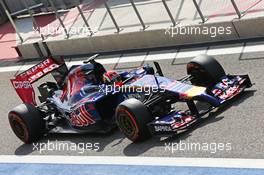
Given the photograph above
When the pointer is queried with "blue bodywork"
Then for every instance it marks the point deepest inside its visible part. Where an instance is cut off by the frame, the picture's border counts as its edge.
(93, 103)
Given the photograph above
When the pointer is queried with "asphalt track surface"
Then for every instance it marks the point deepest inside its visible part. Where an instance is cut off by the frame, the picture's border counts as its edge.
(238, 125)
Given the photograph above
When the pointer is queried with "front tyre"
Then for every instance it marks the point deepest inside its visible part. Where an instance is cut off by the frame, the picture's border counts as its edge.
(27, 123)
(205, 70)
(132, 117)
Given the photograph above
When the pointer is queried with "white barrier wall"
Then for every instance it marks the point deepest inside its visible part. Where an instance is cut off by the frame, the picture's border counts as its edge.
(239, 29)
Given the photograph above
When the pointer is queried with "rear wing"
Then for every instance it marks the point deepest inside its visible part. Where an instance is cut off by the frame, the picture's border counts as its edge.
(23, 81)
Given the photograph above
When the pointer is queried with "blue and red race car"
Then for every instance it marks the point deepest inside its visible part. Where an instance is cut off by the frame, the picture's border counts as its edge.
(141, 102)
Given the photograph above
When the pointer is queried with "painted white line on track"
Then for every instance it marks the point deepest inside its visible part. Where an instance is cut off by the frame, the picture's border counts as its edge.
(226, 51)
(10, 69)
(144, 161)
(254, 48)
(134, 57)
(188, 54)
(157, 55)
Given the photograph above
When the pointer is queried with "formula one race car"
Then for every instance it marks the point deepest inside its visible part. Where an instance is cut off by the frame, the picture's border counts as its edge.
(82, 100)
(87, 98)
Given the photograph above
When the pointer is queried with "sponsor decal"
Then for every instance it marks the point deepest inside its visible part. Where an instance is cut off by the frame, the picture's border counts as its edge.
(24, 90)
(21, 84)
(83, 118)
(162, 128)
(181, 120)
(229, 92)
(39, 70)
(228, 88)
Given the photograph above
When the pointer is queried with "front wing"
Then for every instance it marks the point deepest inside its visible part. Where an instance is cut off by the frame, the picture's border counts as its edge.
(229, 87)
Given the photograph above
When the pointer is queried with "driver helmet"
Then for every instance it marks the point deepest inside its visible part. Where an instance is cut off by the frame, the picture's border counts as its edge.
(112, 77)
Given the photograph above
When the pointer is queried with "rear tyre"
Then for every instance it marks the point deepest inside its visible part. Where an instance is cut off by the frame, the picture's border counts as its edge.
(27, 123)
(205, 70)
(132, 117)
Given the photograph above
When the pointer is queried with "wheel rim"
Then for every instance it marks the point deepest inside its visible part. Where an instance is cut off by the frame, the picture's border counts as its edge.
(19, 127)
(127, 125)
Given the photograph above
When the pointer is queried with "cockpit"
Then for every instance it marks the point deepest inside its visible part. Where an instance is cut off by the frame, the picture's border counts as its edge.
(79, 77)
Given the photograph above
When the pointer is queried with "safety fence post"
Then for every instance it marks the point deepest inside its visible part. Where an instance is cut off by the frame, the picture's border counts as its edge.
(35, 24)
(59, 18)
(11, 21)
(111, 16)
(138, 15)
(84, 19)
(236, 8)
(169, 13)
(199, 11)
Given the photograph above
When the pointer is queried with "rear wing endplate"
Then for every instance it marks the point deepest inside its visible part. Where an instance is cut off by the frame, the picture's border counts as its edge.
(23, 81)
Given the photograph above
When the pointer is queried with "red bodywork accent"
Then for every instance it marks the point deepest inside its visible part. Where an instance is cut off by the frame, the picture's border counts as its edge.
(23, 82)
(113, 77)
(84, 118)
(185, 120)
(76, 80)
(24, 90)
